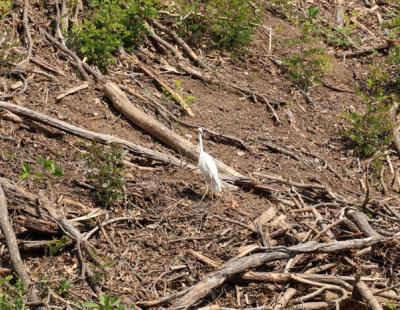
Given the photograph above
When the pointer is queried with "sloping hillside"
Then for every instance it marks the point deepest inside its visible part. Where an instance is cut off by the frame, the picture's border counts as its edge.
(101, 203)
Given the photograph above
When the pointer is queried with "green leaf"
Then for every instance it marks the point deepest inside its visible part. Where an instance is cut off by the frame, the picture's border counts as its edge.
(312, 11)
(26, 171)
(92, 305)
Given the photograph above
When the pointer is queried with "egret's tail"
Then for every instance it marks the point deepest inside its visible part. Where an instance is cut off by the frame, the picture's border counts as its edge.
(216, 185)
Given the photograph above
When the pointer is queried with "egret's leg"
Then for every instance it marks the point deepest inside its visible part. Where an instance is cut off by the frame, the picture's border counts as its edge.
(205, 193)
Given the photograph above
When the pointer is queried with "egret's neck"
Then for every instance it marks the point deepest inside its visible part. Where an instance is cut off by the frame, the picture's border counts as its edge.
(200, 143)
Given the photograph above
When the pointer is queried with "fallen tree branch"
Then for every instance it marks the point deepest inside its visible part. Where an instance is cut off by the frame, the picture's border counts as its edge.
(396, 138)
(66, 50)
(367, 51)
(12, 245)
(367, 295)
(192, 55)
(25, 22)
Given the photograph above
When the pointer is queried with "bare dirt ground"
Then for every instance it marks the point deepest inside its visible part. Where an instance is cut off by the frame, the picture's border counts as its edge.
(149, 253)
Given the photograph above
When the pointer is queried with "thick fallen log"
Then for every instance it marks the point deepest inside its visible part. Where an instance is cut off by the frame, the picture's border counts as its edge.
(236, 266)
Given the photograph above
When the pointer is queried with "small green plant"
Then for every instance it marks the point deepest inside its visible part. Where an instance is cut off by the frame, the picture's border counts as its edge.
(48, 168)
(190, 99)
(282, 7)
(11, 294)
(106, 303)
(390, 306)
(64, 287)
(308, 67)
(228, 24)
(5, 8)
(57, 244)
(178, 84)
(25, 171)
(105, 164)
(111, 24)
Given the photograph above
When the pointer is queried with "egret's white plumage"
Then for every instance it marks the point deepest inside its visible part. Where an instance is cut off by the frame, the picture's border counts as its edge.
(208, 167)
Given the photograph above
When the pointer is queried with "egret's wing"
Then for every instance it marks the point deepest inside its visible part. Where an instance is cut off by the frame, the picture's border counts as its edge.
(213, 171)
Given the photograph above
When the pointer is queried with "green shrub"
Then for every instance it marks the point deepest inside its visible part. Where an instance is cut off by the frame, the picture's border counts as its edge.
(371, 131)
(105, 165)
(308, 67)
(11, 294)
(229, 24)
(111, 24)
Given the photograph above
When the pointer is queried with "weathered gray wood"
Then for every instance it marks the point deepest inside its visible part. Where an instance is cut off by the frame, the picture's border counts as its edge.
(12, 246)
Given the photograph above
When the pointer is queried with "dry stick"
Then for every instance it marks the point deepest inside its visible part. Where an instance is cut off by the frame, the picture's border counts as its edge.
(396, 138)
(72, 91)
(379, 47)
(205, 259)
(361, 220)
(47, 67)
(309, 186)
(87, 134)
(316, 305)
(27, 31)
(340, 13)
(162, 300)
(281, 277)
(282, 150)
(366, 293)
(327, 228)
(164, 43)
(20, 91)
(192, 55)
(257, 98)
(323, 285)
(111, 221)
(66, 50)
(12, 245)
(160, 83)
(362, 27)
(239, 265)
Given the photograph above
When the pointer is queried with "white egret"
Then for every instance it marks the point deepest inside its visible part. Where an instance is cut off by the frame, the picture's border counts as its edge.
(208, 168)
